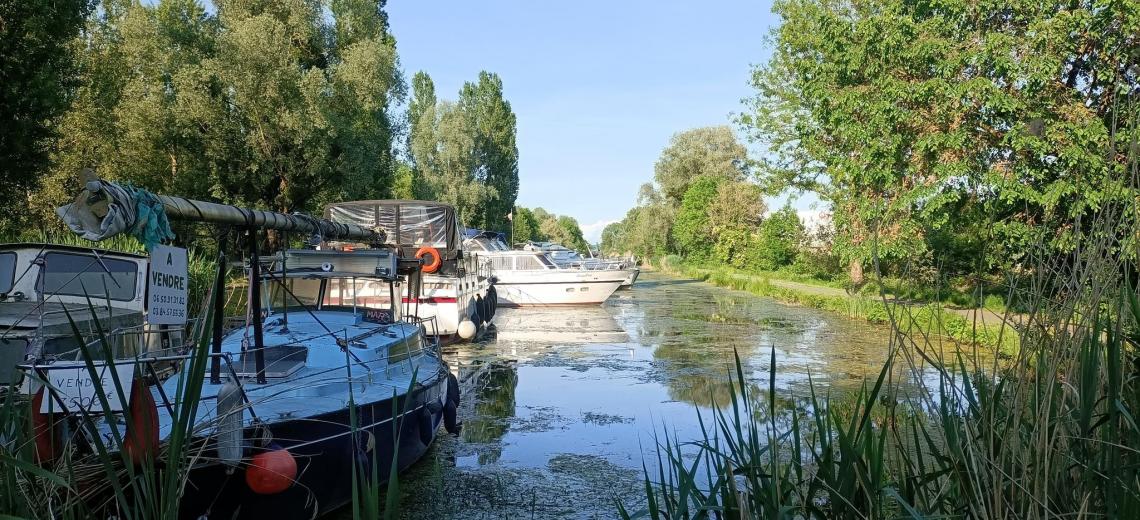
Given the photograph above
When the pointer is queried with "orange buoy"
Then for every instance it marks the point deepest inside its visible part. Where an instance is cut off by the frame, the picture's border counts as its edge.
(141, 441)
(271, 472)
(436, 261)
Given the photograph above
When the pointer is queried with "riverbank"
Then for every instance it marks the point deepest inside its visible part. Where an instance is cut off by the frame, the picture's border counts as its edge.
(981, 327)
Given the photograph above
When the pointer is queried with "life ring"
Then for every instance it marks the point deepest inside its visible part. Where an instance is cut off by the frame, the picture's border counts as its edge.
(435, 259)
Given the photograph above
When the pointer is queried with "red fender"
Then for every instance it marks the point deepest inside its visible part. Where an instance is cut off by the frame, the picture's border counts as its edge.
(44, 431)
(141, 441)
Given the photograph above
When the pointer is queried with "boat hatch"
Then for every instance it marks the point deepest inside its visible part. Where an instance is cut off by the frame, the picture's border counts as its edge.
(279, 362)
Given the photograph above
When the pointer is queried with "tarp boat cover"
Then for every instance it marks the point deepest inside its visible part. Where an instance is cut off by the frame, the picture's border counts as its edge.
(409, 224)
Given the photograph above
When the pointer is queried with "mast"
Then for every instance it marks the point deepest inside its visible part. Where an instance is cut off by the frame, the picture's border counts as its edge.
(105, 209)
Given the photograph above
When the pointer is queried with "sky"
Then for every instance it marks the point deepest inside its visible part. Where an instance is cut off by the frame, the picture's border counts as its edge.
(598, 87)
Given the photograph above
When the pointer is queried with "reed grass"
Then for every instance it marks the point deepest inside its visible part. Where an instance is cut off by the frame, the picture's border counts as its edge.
(96, 477)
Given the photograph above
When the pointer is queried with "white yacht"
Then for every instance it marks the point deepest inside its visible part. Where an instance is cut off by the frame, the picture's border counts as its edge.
(566, 257)
(454, 288)
(533, 278)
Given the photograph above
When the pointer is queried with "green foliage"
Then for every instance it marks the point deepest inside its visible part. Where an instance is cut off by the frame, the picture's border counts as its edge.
(525, 227)
(464, 153)
(550, 227)
(614, 239)
(443, 146)
(778, 240)
(975, 129)
(711, 158)
(692, 233)
(701, 152)
(281, 105)
(496, 154)
(571, 234)
(38, 74)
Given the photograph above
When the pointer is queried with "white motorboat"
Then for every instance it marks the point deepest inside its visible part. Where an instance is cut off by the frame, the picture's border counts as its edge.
(454, 287)
(566, 257)
(532, 278)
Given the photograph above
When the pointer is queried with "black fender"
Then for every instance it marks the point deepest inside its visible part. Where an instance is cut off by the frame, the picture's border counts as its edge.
(451, 406)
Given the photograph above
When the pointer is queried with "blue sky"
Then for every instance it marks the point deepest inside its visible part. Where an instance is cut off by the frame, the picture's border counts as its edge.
(598, 87)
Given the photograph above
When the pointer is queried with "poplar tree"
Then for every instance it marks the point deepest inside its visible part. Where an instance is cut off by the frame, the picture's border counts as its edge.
(496, 154)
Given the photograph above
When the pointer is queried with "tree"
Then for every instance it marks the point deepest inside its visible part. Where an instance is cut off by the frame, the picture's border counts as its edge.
(734, 216)
(910, 119)
(496, 155)
(280, 105)
(571, 234)
(423, 98)
(525, 226)
(778, 240)
(38, 80)
(561, 229)
(647, 230)
(692, 234)
(712, 152)
(614, 239)
(445, 159)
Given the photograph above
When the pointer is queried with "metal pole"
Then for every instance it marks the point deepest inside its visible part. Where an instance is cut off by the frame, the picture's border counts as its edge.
(100, 198)
(219, 313)
(255, 306)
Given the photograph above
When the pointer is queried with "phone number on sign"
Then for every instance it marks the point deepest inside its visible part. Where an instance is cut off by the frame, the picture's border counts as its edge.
(168, 311)
(167, 299)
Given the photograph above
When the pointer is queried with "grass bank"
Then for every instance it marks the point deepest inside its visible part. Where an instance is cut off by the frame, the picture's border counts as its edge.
(932, 320)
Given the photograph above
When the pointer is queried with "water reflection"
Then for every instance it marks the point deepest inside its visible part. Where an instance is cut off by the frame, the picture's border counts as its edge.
(494, 405)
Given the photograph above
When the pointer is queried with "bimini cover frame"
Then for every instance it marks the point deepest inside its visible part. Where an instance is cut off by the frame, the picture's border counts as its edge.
(409, 224)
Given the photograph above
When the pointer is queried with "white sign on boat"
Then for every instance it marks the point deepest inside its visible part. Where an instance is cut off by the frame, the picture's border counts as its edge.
(75, 387)
(168, 286)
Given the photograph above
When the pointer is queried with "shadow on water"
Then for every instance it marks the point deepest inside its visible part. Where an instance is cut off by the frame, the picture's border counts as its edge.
(561, 407)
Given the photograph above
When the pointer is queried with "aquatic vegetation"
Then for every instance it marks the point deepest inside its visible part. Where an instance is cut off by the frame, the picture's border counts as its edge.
(1050, 432)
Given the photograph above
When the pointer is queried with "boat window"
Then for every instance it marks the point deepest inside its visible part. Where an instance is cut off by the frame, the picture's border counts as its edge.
(545, 261)
(12, 353)
(372, 294)
(7, 271)
(306, 290)
(526, 263)
(503, 263)
(74, 274)
(423, 225)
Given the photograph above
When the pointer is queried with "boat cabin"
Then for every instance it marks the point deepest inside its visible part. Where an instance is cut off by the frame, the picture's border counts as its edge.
(42, 284)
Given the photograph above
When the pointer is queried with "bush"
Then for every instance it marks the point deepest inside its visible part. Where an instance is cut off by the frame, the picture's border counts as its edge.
(779, 240)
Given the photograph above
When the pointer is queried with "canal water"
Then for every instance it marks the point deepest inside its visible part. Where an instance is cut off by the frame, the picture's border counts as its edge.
(562, 409)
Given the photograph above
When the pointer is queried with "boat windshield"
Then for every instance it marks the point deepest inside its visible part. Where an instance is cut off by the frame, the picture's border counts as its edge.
(372, 294)
(7, 271)
(325, 292)
(77, 274)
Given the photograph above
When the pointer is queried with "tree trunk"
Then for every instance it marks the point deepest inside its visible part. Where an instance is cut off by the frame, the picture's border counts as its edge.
(855, 273)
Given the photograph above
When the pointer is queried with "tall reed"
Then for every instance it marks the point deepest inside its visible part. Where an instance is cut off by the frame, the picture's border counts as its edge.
(97, 477)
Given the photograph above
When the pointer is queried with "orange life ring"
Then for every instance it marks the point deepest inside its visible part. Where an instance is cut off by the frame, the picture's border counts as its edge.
(435, 259)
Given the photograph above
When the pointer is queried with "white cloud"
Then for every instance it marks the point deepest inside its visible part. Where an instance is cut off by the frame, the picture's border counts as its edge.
(593, 232)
